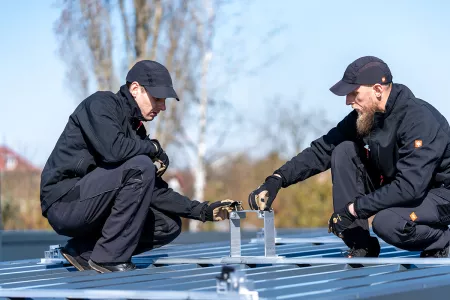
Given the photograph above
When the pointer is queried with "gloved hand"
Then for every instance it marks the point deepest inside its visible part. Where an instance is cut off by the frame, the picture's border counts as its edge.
(263, 196)
(159, 158)
(219, 210)
(340, 221)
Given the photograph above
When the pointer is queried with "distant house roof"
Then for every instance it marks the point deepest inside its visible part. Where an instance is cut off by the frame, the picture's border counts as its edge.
(12, 161)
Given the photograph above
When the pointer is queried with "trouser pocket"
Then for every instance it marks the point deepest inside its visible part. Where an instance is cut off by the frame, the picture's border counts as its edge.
(444, 213)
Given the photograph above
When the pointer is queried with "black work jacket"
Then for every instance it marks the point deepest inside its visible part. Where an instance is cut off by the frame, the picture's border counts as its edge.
(104, 130)
(409, 148)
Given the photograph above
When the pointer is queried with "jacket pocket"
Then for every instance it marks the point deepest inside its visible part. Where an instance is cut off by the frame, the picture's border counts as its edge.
(444, 213)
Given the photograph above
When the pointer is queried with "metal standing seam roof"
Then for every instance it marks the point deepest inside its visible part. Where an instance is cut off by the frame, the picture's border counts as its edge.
(308, 266)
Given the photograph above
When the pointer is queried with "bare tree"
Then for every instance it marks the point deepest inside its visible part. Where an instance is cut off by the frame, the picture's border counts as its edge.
(180, 34)
(205, 32)
(295, 125)
(93, 24)
(85, 34)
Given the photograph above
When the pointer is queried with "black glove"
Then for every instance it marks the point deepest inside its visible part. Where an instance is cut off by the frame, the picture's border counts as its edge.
(263, 196)
(340, 221)
(159, 158)
(219, 210)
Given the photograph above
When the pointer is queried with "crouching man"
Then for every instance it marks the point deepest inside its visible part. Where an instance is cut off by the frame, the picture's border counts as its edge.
(389, 158)
(100, 185)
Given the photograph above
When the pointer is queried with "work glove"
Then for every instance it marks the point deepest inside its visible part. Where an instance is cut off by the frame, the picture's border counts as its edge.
(340, 221)
(159, 158)
(219, 210)
(263, 196)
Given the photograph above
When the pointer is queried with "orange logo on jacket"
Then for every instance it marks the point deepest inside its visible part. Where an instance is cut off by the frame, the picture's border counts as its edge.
(417, 143)
(413, 216)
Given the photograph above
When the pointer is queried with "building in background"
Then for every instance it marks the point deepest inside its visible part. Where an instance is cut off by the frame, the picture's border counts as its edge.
(12, 161)
(19, 192)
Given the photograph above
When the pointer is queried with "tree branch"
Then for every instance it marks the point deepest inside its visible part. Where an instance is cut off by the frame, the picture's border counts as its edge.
(126, 29)
(156, 28)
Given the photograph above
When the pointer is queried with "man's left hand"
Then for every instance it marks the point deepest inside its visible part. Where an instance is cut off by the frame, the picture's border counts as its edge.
(160, 159)
(340, 221)
(220, 210)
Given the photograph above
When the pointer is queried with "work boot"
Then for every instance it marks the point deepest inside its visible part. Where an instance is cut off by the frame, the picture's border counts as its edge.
(112, 267)
(74, 258)
(373, 250)
(440, 253)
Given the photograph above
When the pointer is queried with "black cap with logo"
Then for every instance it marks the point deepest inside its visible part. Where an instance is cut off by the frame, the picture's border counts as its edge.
(366, 70)
(154, 77)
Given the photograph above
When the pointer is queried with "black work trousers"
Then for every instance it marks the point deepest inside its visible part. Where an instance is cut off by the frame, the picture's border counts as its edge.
(112, 213)
(352, 177)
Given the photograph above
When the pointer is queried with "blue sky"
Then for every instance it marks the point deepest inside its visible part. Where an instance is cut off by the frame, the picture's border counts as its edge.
(319, 40)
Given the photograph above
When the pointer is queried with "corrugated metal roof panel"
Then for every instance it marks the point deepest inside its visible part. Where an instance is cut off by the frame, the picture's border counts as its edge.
(309, 267)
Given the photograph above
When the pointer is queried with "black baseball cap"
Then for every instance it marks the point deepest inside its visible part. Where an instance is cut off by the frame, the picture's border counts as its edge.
(154, 77)
(366, 70)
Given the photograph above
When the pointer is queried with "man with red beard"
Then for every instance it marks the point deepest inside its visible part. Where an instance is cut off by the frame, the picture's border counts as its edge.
(390, 157)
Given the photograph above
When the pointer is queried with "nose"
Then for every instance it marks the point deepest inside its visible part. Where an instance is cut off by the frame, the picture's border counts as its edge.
(163, 105)
(349, 99)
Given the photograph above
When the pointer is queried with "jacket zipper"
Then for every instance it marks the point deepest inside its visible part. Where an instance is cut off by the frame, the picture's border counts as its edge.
(77, 169)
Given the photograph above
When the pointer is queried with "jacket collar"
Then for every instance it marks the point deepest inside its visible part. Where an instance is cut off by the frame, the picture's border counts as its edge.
(133, 109)
(390, 103)
(396, 92)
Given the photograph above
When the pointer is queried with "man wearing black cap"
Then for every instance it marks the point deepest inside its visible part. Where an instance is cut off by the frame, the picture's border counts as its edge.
(100, 185)
(389, 157)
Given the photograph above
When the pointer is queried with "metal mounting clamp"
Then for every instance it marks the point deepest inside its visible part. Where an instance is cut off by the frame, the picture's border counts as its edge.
(53, 256)
(234, 282)
(269, 231)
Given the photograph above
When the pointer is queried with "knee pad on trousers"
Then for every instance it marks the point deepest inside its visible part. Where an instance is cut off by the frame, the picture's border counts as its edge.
(137, 165)
(138, 169)
(394, 230)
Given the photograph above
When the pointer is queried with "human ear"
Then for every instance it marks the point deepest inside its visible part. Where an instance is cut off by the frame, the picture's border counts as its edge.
(378, 90)
(134, 89)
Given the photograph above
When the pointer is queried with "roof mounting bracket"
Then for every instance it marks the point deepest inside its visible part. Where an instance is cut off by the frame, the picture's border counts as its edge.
(232, 281)
(53, 256)
(269, 231)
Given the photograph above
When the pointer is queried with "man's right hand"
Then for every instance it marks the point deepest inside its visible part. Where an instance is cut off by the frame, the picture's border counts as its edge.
(160, 158)
(263, 196)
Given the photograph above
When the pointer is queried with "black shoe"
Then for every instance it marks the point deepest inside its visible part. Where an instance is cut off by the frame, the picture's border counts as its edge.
(112, 267)
(440, 253)
(373, 250)
(74, 258)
